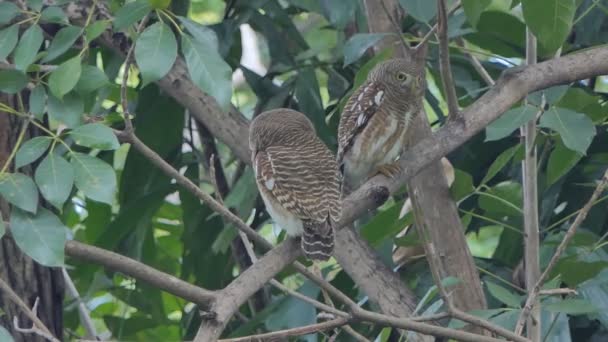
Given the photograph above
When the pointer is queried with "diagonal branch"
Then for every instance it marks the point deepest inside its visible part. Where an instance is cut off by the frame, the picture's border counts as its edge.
(38, 326)
(141, 271)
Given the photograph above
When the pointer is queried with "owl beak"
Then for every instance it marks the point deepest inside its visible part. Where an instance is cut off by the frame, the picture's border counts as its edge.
(418, 81)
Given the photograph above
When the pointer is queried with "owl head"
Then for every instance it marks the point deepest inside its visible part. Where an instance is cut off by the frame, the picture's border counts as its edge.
(278, 127)
(399, 74)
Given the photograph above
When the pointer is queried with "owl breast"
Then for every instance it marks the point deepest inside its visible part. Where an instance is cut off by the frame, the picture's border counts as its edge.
(281, 217)
(379, 143)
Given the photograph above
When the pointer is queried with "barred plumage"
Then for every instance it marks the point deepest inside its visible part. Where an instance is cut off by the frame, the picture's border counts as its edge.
(298, 178)
(373, 126)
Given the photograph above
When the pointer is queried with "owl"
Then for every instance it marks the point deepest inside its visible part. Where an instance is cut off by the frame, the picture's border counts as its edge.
(374, 124)
(298, 179)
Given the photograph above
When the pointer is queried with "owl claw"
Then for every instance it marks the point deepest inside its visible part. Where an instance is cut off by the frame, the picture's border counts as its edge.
(388, 170)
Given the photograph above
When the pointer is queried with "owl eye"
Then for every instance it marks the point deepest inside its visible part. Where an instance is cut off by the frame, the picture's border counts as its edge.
(401, 76)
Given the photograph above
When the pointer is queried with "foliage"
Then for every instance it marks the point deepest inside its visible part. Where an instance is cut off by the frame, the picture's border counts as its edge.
(106, 194)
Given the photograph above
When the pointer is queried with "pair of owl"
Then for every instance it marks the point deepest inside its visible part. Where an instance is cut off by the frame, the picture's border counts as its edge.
(299, 178)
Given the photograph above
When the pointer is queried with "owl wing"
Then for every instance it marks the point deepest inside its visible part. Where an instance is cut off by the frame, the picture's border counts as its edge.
(359, 109)
(304, 180)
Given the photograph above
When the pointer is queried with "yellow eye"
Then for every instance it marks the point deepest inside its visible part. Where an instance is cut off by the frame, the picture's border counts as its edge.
(401, 76)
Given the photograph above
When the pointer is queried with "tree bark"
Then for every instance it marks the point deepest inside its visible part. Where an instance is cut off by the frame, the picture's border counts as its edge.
(26, 277)
(438, 222)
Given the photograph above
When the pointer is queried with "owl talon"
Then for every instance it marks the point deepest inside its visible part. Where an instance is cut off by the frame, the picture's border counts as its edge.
(388, 170)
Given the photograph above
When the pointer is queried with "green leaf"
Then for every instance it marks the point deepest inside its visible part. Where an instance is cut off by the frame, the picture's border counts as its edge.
(8, 39)
(55, 178)
(31, 150)
(64, 39)
(474, 8)
(41, 236)
(339, 13)
(19, 190)
(200, 33)
(208, 70)
(130, 13)
(510, 121)
(422, 10)
(28, 47)
(572, 307)
(462, 186)
(12, 81)
(385, 224)
(504, 295)
(575, 129)
(356, 46)
(549, 20)
(155, 52)
(504, 198)
(37, 101)
(560, 162)
(64, 78)
(5, 336)
(8, 11)
(95, 135)
(575, 270)
(67, 111)
(2, 232)
(552, 95)
(54, 14)
(95, 29)
(500, 162)
(36, 5)
(91, 79)
(94, 177)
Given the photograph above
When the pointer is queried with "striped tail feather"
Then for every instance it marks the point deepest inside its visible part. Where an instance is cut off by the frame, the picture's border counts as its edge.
(317, 240)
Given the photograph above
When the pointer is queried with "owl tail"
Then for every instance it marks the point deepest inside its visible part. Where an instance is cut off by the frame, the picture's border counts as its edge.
(318, 240)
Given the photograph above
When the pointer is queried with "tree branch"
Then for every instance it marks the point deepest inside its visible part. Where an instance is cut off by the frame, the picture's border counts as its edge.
(85, 317)
(444, 60)
(582, 214)
(37, 326)
(282, 334)
(530, 190)
(140, 271)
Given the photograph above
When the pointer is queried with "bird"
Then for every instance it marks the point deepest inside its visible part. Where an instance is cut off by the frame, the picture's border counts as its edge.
(374, 123)
(298, 179)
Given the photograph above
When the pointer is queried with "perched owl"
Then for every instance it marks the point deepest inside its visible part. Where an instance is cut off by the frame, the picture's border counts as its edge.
(374, 124)
(298, 178)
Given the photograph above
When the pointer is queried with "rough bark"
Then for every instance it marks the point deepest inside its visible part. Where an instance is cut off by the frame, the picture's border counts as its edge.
(26, 277)
(439, 222)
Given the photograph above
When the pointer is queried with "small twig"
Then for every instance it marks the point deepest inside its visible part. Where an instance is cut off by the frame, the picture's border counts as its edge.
(37, 327)
(560, 249)
(431, 32)
(40, 67)
(557, 292)
(444, 60)
(476, 64)
(85, 317)
(396, 27)
(125, 77)
(281, 334)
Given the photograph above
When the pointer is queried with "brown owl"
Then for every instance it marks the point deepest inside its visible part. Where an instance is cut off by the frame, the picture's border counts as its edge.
(375, 121)
(297, 177)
